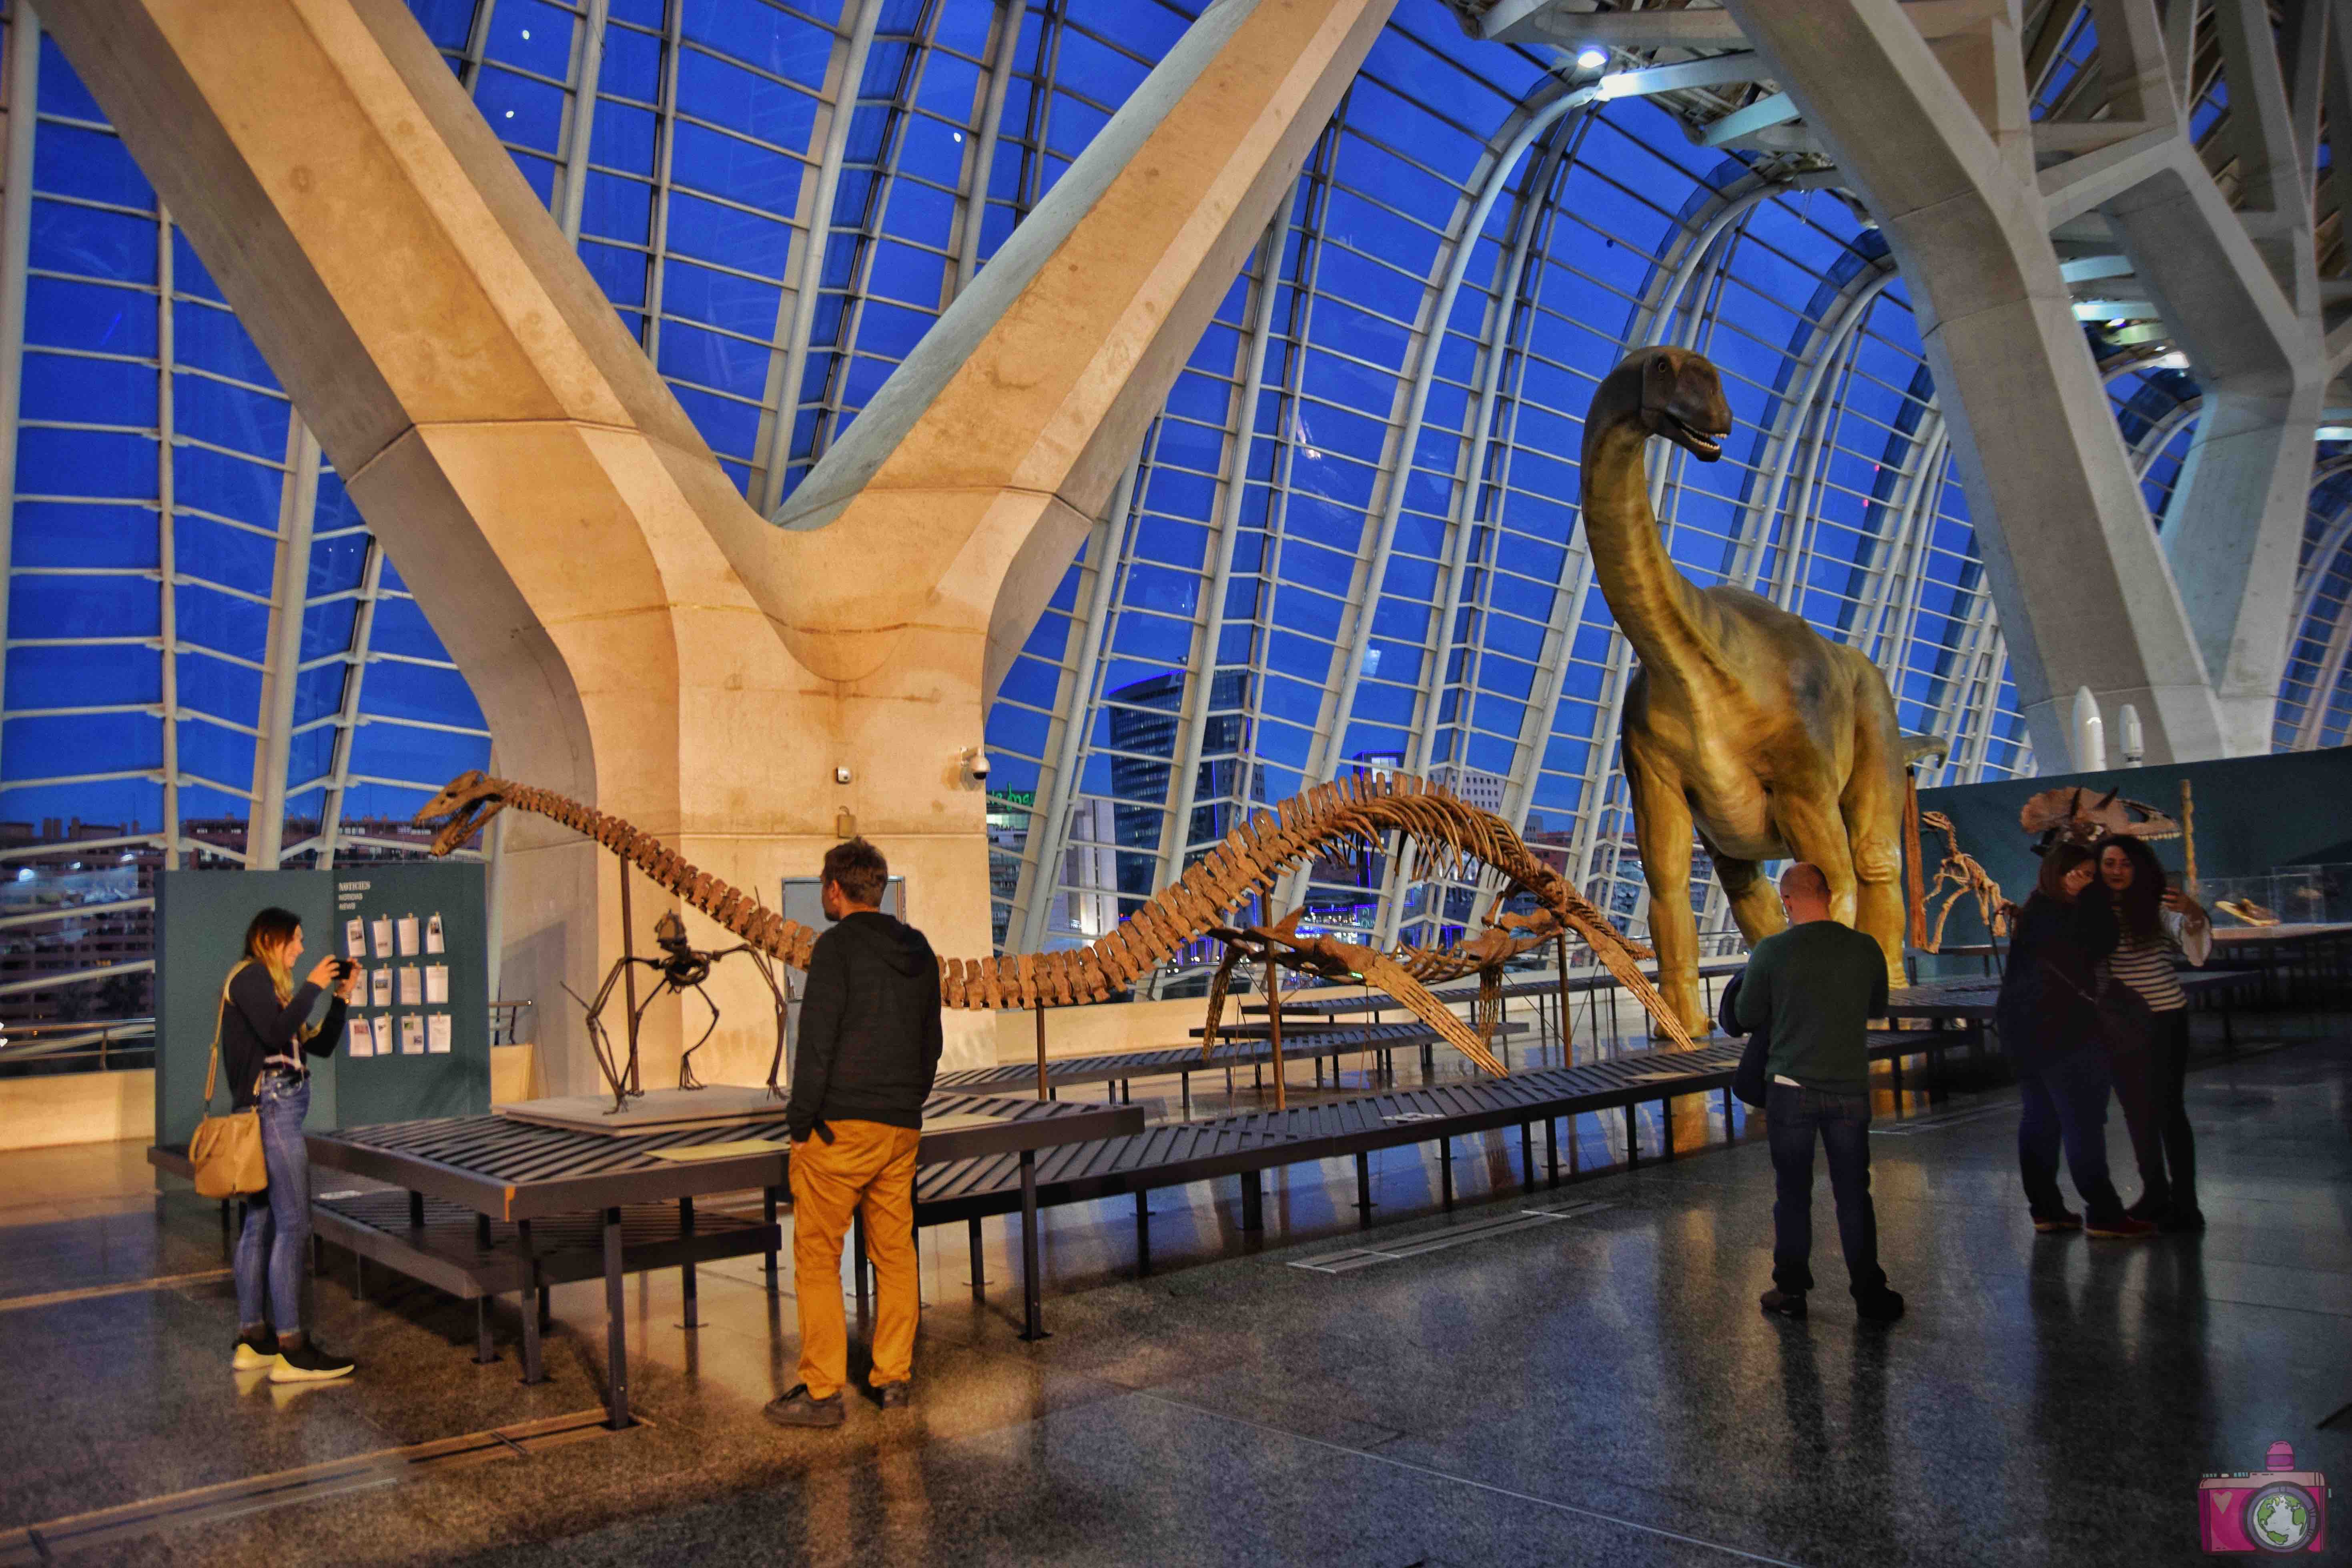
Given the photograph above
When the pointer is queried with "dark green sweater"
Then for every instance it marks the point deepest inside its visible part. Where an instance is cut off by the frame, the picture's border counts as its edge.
(1816, 986)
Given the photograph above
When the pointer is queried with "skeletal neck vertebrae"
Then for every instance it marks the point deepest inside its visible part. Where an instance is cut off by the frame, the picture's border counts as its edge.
(1331, 819)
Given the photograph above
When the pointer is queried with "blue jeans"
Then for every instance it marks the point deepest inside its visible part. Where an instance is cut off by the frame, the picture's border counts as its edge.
(1793, 1118)
(2066, 1103)
(269, 1250)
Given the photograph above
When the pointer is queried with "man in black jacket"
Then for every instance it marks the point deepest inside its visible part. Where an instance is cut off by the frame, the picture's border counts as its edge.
(868, 1048)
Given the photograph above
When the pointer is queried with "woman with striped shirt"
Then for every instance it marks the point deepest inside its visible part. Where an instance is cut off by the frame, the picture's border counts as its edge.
(2156, 922)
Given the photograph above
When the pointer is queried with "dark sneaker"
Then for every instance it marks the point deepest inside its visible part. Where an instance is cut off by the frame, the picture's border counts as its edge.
(2124, 1229)
(1879, 1307)
(893, 1395)
(306, 1362)
(797, 1409)
(2151, 1209)
(255, 1351)
(2064, 1219)
(1783, 1303)
(2182, 1218)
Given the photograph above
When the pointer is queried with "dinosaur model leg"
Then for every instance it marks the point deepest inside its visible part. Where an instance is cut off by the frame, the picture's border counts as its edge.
(1754, 904)
(1662, 827)
(1812, 825)
(1873, 812)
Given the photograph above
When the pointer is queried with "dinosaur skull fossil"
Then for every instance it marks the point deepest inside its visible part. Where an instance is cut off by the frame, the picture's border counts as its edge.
(468, 801)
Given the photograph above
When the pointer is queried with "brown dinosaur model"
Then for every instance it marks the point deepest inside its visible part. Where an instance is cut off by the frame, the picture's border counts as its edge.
(1332, 820)
(1742, 722)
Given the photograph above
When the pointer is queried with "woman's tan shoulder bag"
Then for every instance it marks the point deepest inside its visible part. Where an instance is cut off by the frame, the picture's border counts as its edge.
(226, 1150)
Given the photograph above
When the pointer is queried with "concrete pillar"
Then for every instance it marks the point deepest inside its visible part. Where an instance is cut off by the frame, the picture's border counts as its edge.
(1936, 139)
(2237, 290)
(637, 636)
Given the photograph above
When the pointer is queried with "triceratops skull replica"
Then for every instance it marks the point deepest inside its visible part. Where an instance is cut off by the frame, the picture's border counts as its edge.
(1333, 820)
(2073, 814)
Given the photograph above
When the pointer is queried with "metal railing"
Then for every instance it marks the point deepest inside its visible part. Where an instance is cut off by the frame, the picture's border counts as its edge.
(78, 1046)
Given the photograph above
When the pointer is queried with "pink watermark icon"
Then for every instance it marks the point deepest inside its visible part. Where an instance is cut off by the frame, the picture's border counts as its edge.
(2276, 1511)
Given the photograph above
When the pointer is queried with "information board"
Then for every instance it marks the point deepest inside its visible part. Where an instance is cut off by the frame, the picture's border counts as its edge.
(417, 1041)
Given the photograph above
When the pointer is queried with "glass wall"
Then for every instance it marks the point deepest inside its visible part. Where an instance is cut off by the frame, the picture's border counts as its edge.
(1349, 542)
(2314, 706)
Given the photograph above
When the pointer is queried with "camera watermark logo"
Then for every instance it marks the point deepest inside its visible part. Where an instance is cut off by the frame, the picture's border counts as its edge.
(2276, 1511)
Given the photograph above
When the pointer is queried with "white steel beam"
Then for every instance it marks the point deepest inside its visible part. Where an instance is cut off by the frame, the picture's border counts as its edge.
(282, 645)
(23, 79)
(1712, 71)
(1756, 527)
(587, 69)
(849, 70)
(1491, 178)
(1570, 599)
(664, 157)
(1004, 57)
(166, 544)
(1224, 532)
(1049, 834)
(1461, 521)
(347, 714)
(1804, 514)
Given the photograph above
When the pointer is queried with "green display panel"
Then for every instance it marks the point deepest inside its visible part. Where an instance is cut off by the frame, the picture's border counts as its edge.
(423, 1069)
(2252, 814)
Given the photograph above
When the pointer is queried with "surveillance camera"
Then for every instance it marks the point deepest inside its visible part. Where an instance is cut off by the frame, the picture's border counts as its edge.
(841, 776)
(980, 766)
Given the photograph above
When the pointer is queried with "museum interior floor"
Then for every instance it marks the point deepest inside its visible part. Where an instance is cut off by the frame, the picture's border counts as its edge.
(1595, 1386)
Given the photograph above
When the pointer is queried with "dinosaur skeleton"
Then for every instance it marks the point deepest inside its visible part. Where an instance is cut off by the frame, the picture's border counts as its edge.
(1343, 817)
(1966, 877)
(682, 967)
(1337, 961)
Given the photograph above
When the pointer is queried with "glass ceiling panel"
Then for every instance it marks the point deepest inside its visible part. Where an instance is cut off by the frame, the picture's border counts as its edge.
(1349, 540)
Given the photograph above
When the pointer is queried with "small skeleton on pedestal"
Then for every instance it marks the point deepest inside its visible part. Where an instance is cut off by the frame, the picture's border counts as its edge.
(682, 967)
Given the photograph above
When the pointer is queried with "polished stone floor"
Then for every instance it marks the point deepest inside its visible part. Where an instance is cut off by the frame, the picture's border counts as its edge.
(1594, 1388)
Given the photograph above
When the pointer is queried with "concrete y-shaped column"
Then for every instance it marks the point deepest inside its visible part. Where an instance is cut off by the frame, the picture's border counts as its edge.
(637, 636)
(2239, 292)
(1937, 141)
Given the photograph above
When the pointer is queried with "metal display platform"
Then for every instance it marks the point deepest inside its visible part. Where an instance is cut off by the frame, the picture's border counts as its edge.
(1974, 1002)
(1249, 1047)
(1247, 1145)
(541, 1180)
(658, 1110)
(1546, 994)
(473, 1257)
(2296, 962)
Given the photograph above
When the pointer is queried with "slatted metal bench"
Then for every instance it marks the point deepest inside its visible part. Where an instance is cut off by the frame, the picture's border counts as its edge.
(1241, 1046)
(1247, 1145)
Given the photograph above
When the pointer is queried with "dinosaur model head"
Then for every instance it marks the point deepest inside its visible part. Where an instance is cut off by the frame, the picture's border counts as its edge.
(1676, 393)
(468, 801)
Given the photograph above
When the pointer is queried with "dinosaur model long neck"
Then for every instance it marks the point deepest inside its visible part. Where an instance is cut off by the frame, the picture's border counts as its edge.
(1329, 819)
(1654, 603)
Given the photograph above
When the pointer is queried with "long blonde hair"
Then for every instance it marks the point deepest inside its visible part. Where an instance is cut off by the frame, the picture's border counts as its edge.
(265, 943)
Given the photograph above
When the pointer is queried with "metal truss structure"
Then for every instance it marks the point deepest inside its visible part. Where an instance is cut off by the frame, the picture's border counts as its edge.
(1348, 546)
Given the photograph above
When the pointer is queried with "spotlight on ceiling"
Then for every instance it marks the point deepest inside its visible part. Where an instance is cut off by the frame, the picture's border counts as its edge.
(1591, 58)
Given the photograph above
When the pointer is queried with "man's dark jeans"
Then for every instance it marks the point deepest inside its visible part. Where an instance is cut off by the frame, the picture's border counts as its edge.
(1793, 1118)
(2065, 1104)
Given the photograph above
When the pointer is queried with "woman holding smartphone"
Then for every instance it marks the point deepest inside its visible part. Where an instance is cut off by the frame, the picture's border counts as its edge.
(2156, 922)
(2050, 1027)
(266, 1037)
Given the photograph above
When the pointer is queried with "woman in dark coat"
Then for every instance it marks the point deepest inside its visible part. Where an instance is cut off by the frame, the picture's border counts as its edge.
(267, 1035)
(2049, 1029)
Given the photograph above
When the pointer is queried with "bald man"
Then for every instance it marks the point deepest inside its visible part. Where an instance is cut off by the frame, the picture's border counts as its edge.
(1816, 986)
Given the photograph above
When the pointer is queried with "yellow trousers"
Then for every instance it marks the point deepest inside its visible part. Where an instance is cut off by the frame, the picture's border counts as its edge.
(871, 1167)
